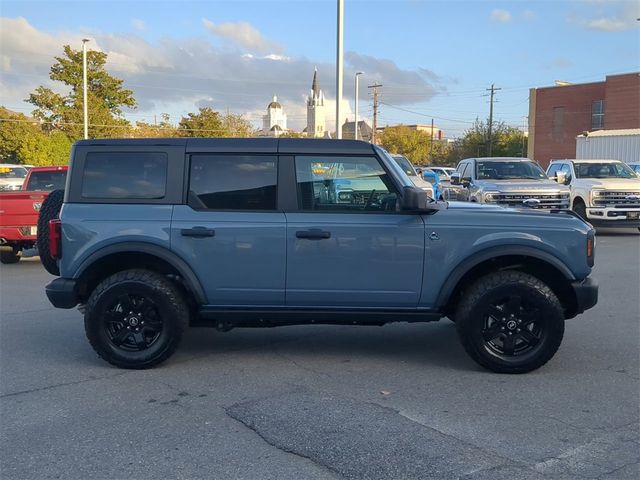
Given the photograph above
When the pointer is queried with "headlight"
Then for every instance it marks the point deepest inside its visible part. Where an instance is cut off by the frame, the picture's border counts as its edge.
(490, 196)
(594, 195)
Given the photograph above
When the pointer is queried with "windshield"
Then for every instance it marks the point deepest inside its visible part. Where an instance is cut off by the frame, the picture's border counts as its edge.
(493, 170)
(13, 172)
(47, 181)
(405, 165)
(603, 170)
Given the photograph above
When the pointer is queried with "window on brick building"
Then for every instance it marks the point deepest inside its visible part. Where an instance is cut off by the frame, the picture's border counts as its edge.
(597, 115)
(557, 124)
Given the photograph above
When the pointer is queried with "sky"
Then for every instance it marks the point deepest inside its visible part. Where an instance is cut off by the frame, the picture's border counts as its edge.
(435, 59)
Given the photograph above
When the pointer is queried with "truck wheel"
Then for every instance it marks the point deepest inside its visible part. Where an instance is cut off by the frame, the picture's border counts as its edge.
(50, 210)
(510, 322)
(135, 319)
(9, 255)
(580, 208)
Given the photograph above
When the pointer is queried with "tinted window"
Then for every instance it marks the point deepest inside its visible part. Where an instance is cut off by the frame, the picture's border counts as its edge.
(13, 172)
(603, 170)
(490, 170)
(233, 182)
(344, 184)
(47, 181)
(125, 175)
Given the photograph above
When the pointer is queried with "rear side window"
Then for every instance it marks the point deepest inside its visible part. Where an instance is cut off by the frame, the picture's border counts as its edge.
(47, 181)
(233, 182)
(124, 175)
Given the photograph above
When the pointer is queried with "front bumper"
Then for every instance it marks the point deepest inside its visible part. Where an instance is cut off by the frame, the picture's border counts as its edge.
(614, 217)
(61, 292)
(586, 292)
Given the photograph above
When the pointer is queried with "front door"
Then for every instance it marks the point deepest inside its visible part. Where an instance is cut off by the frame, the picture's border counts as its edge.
(347, 245)
(231, 232)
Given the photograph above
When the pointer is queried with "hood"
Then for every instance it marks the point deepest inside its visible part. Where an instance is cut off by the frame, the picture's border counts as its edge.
(611, 183)
(476, 206)
(522, 185)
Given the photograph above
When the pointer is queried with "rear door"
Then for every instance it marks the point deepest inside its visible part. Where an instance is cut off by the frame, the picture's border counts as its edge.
(347, 245)
(231, 231)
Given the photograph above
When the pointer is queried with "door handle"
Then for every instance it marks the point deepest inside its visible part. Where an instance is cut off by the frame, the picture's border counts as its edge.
(313, 234)
(198, 232)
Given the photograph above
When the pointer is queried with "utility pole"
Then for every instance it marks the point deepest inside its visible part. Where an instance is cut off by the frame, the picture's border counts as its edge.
(375, 87)
(339, 69)
(431, 144)
(84, 88)
(355, 118)
(493, 89)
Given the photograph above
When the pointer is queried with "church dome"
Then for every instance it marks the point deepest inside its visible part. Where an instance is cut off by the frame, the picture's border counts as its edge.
(274, 103)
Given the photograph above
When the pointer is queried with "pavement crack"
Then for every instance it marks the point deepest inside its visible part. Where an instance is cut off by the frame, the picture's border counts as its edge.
(326, 468)
(63, 384)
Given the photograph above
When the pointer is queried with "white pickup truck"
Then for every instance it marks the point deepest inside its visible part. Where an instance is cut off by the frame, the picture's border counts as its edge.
(606, 193)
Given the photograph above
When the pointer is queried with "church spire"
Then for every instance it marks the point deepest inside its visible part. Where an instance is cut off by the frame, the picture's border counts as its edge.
(315, 86)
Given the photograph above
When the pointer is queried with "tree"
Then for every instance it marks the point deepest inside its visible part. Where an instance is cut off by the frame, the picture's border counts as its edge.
(23, 141)
(209, 123)
(164, 129)
(507, 142)
(106, 98)
(413, 144)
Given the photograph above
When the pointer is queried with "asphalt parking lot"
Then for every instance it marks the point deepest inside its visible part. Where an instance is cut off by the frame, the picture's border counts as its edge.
(399, 401)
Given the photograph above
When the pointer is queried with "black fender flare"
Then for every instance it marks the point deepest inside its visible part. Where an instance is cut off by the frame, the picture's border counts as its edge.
(191, 279)
(495, 252)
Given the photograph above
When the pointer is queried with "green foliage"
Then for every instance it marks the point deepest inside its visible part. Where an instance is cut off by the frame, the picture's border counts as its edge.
(106, 97)
(23, 141)
(209, 123)
(507, 142)
(413, 144)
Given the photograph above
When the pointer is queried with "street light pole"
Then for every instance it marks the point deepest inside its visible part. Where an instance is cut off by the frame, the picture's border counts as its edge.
(84, 87)
(339, 69)
(355, 123)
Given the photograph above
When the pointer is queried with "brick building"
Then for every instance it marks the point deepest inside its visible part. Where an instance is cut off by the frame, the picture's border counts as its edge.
(558, 114)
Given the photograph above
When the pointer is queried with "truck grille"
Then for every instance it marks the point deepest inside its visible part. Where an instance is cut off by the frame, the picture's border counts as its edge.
(617, 199)
(547, 200)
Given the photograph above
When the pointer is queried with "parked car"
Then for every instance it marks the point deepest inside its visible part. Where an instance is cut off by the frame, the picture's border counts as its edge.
(416, 178)
(443, 172)
(507, 181)
(159, 234)
(11, 176)
(604, 192)
(19, 211)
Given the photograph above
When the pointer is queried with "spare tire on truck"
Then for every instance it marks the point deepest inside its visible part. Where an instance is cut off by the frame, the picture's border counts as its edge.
(50, 210)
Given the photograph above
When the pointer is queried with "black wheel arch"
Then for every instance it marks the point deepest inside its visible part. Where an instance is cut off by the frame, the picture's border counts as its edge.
(538, 263)
(128, 255)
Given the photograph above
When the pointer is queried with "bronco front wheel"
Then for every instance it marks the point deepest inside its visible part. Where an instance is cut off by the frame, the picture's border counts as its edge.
(135, 319)
(510, 322)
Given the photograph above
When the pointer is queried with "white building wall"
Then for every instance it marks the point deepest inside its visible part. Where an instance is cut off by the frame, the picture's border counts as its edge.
(606, 145)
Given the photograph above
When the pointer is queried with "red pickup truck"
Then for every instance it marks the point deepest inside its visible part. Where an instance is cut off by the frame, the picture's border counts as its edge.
(19, 210)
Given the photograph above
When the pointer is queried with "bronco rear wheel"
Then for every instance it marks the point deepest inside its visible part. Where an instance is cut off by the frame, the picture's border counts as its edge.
(50, 210)
(135, 319)
(510, 322)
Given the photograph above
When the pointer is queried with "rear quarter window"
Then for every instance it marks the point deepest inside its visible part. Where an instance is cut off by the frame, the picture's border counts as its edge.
(124, 175)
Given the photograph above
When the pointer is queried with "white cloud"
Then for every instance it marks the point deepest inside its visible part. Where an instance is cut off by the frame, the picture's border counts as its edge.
(175, 75)
(138, 24)
(500, 16)
(604, 24)
(609, 16)
(243, 34)
(529, 14)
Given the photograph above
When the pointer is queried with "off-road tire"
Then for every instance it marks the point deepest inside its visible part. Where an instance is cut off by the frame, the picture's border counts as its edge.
(165, 296)
(580, 208)
(541, 303)
(50, 210)
(9, 255)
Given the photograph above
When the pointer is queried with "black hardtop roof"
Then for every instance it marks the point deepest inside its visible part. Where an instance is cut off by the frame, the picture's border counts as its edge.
(243, 145)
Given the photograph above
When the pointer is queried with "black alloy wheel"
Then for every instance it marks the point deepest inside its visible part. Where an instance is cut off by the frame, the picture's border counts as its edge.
(132, 322)
(510, 322)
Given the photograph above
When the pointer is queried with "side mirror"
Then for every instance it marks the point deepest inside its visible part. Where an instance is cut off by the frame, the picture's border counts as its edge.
(561, 178)
(415, 199)
(455, 178)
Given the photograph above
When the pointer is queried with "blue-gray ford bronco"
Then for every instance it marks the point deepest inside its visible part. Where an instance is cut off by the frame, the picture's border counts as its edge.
(151, 236)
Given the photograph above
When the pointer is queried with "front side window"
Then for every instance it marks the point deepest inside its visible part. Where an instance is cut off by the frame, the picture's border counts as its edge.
(488, 170)
(553, 169)
(125, 175)
(603, 170)
(466, 172)
(346, 184)
(233, 182)
(597, 115)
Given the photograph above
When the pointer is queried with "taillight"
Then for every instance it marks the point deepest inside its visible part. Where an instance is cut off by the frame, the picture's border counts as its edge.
(55, 238)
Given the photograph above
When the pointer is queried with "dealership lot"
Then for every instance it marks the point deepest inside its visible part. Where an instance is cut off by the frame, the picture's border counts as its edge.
(399, 401)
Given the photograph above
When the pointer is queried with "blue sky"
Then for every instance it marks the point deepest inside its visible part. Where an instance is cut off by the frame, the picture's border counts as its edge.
(434, 58)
